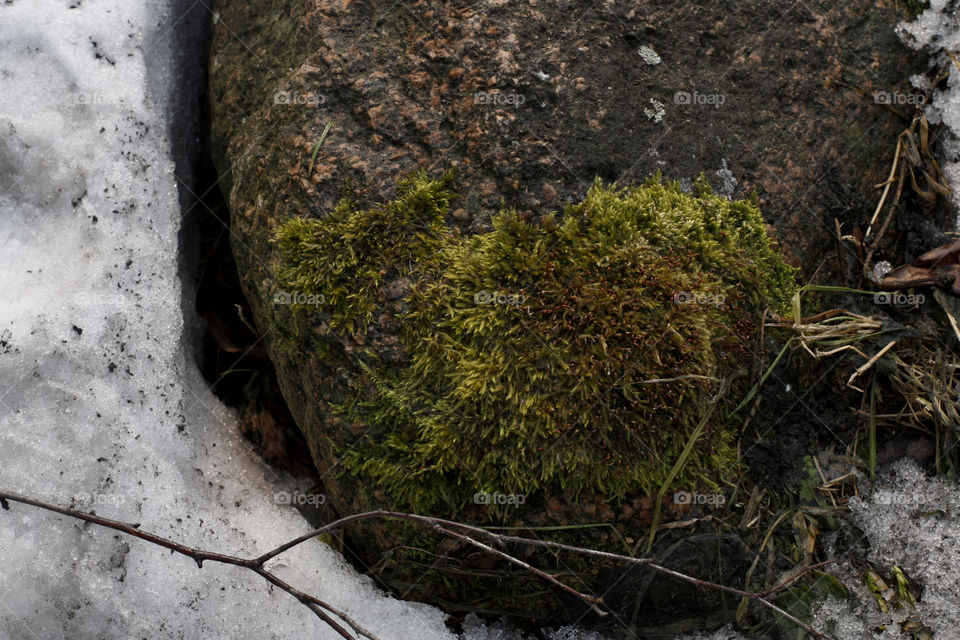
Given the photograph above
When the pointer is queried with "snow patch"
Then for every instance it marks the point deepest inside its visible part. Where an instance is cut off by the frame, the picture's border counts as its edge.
(99, 407)
(936, 31)
(913, 522)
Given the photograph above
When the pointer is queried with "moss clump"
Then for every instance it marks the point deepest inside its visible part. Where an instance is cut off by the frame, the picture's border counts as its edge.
(916, 7)
(575, 355)
(344, 256)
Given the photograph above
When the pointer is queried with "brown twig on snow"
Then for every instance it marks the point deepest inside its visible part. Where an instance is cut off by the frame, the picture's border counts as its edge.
(321, 608)
(199, 556)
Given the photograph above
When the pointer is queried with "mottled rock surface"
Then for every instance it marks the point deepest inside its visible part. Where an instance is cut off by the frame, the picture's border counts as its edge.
(532, 100)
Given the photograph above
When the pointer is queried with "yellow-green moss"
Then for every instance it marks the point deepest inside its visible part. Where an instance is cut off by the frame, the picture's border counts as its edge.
(558, 383)
(343, 257)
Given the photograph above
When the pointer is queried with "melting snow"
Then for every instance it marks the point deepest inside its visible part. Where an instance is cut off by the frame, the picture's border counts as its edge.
(913, 522)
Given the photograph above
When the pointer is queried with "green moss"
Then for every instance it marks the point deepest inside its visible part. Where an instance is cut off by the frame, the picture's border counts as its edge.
(916, 7)
(532, 347)
(342, 258)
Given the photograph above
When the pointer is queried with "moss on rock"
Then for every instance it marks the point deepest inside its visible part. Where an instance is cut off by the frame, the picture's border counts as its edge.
(574, 355)
(403, 93)
(342, 258)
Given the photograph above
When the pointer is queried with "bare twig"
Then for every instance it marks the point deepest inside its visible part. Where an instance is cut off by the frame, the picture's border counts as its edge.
(869, 363)
(441, 525)
(813, 633)
(786, 582)
(886, 186)
(199, 556)
(910, 157)
(592, 601)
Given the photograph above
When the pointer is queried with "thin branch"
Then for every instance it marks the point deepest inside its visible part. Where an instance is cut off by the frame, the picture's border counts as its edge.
(813, 633)
(793, 578)
(886, 186)
(592, 601)
(441, 525)
(199, 556)
(544, 543)
(317, 606)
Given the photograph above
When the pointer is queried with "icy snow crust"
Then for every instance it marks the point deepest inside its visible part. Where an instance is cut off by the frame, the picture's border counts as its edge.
(911, 521)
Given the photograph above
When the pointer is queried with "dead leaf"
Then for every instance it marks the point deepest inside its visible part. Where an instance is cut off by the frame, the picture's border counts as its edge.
(906, 276)
(945, 254)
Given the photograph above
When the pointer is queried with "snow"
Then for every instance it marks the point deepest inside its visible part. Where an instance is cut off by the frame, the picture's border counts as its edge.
(913, 522)
(100, 407)
(936, 31)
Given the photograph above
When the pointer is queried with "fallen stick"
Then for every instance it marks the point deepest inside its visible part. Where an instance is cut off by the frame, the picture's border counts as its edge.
(323, 610)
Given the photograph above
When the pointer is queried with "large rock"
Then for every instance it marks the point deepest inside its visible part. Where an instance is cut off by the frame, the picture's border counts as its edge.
(530, 102)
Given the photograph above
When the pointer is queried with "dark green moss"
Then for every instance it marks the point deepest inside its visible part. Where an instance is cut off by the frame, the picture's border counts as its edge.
(916, 7)
(573, 355)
